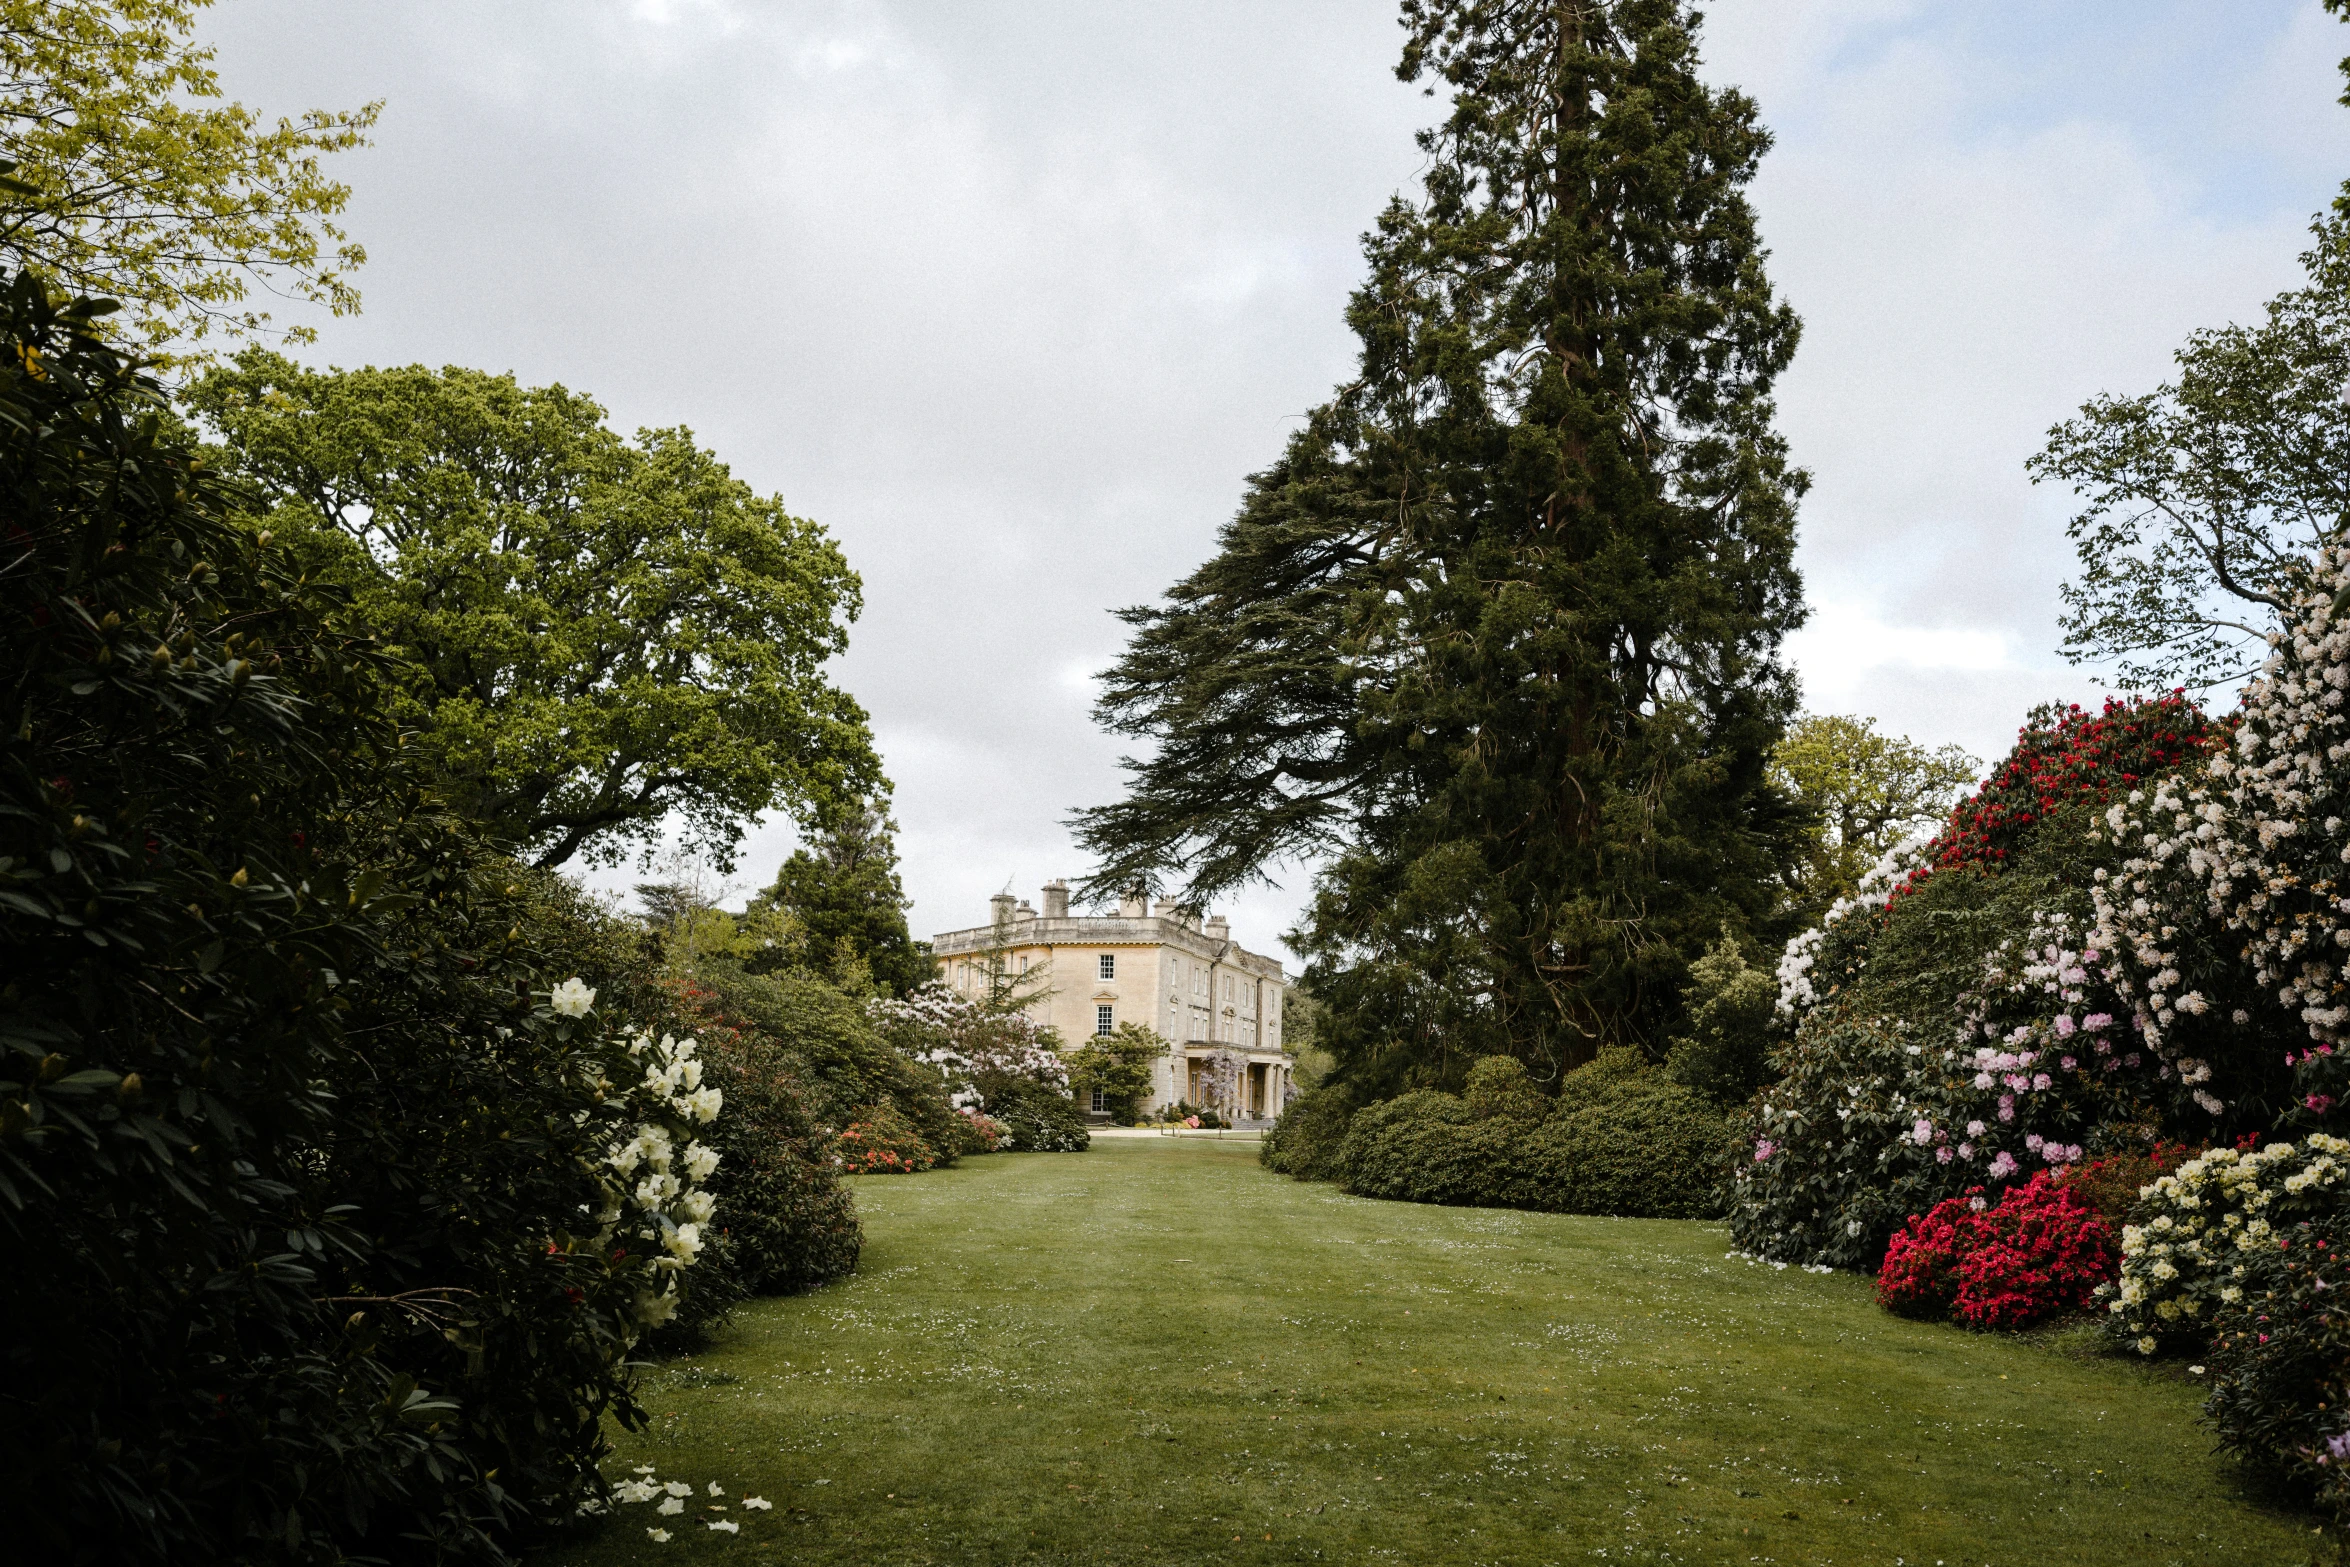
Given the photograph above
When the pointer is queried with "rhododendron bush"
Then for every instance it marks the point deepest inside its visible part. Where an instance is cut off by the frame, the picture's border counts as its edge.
(993, 1059)
(2041, 1250)
(2280, 1359)
(334, 1210)
(2185, 1251)
(2050, 979)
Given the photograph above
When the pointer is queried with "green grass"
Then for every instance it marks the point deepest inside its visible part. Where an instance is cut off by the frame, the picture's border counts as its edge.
(1157, 1353)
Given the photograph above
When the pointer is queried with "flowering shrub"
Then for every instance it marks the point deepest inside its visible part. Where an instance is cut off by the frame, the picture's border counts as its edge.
(2111, 1184)
(1036, 1117)
(1919, 1277)
(832, 1045)
(785, 1221)
(2280, 1359)
(1872, 1120)
(2233, 913)
(885, 1143)
(2062, 756)
(977, 1132)
(2185, 1251)
(1824, 952)
(2039, 1252)
(973, 1047)
(654, 1165)
(316, 1251)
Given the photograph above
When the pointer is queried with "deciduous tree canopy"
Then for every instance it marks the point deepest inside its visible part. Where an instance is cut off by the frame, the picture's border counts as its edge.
(2203, 499)
(604, 631)
(140, 184)
(1867, 791)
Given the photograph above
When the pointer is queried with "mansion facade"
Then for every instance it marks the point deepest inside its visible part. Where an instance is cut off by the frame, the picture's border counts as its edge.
(1164, 968)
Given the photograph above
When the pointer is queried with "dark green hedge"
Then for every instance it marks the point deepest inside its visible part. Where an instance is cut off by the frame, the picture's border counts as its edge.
(1304, 1143)
(1621, 1138)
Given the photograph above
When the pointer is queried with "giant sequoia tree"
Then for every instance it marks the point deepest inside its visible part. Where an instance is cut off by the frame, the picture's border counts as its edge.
(1497, 636)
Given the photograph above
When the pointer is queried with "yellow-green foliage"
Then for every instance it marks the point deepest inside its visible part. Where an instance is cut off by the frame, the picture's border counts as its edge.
(141, 184)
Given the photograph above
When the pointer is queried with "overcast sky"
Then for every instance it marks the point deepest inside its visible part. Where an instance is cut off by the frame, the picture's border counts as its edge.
(1013, 296)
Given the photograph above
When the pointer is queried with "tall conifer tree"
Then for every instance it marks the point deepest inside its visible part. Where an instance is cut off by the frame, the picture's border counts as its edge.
(1497, 638)
(843, 887)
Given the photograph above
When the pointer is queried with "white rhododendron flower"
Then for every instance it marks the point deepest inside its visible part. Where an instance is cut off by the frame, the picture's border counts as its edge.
(571, 998)
(701, 1161)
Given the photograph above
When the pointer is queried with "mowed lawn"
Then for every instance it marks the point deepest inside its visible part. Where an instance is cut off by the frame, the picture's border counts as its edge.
(1157, 1352)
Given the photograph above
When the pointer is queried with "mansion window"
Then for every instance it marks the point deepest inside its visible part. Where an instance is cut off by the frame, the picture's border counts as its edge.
(1098, 1105)
(1102, 1023)
(1109, 965)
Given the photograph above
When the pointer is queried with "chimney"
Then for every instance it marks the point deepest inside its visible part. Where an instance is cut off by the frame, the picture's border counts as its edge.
(1168, 909)
(1056, 899)
(1024, 912)
(1217, 928)
(1133, 906)
(999, 909)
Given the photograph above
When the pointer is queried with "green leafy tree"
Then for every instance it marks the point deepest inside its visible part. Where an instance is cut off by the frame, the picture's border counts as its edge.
(605, 633)
(1120, 1064)
(1866, 792)
(2203, 499)
(137, 182)
(1498, 634)
(842, 887)
(1725, 1053)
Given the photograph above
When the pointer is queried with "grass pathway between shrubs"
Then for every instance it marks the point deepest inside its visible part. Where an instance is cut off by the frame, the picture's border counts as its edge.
(1158, 1353)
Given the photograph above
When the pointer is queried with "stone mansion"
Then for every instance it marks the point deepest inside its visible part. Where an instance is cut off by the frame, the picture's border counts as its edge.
(1165, 968)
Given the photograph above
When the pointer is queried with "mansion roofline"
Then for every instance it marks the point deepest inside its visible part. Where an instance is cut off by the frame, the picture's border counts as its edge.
(1167, 926)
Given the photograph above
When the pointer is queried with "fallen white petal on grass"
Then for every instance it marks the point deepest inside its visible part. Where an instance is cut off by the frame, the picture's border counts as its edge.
(727, 1524)
(678, 1488)
(758, 1504)
(670, 1508)
(658, 1536)
(714, 1490)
